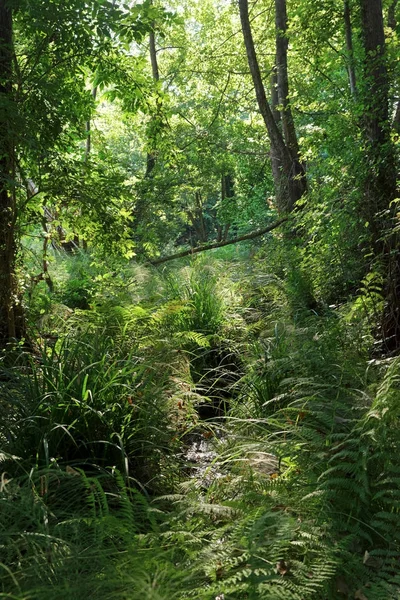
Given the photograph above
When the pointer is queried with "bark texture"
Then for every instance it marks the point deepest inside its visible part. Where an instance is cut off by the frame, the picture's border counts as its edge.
(380, 184)
(11, 316)
(380, 161)
(151, 156)
(290, 183)
(376, 81)
(392, 23)
(274, 95)
(282, 43)
(227, 191)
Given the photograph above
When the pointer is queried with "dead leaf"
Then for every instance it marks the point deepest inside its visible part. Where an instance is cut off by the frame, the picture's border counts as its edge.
(282, 567)
(72, 471)
(219, 572)
(359, 595)
(341, 586)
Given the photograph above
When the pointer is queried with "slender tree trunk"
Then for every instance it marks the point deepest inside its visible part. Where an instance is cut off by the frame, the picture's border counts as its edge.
(142, 213)
(153, 56)
(201, 224)
(151, 156)
(226, 232)
(288, 174)
(396, 120)
(227, 191)
(11, 314)
(349, 47)
(392, 21)
(275, 162)
(89, 129)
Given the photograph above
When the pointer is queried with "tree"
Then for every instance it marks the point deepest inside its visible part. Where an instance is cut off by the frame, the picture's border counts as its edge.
(11, 320)
(288, 172)
(380, 177)
(44, 102)
(380, 184)
(349, 47)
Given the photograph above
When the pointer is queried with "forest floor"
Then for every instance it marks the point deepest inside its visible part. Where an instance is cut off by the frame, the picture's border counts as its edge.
(204, 431)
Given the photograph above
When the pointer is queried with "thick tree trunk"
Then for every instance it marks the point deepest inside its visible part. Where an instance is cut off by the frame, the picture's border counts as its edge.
(288, 175)
(288, 127)
(11, 316)
(380, 174)
(380, 184)
(349, 47)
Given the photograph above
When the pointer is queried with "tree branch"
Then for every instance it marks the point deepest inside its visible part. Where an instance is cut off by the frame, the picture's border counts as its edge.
(242, 238)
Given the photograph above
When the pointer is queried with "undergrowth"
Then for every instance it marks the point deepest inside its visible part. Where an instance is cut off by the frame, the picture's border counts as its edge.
(99, 498)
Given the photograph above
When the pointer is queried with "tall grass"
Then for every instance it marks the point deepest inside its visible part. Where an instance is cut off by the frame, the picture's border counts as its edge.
(300, 500)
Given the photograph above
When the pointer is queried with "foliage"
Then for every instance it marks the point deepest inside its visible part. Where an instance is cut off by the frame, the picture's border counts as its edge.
(225, 427)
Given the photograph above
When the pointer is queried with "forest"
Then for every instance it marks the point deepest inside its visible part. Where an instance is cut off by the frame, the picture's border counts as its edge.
(199, 300)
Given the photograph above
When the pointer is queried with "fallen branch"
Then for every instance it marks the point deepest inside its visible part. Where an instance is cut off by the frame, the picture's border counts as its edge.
(242, 238)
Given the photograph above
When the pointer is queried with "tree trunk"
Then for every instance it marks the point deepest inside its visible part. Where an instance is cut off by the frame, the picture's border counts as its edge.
(200, 222)
(227, 191)
(349, 47)
(380, 163)
(392, 21)
(380, 184)
(288, 175)
(142, 213)
(151, 156)
(282, 43)
(89, 130)
(396, 120)
(153, 56)
(11, 314)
